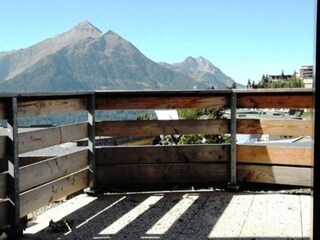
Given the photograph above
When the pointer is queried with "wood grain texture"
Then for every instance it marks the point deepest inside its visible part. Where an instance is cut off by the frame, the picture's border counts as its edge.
(164, 127)
(3, 184)
(24, 160)
(275, 155)
(2, 110)
(46, 194)
(3, 140)
(29, 108)
(162, 154)
(30, 141)
(275, 100)
(297, 176)
(51, 169)
(161, 102)
(131, 175)
(275, 127)
(4, 213)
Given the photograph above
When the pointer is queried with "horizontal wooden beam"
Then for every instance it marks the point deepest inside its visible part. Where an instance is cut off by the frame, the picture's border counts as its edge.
(164, 127)
(275, 127)
(275, 99)
(162, 154)
(51, 169)
(2, 110)
(30, 141)
(297, 176)
(275, 155)
(4, 213)
(24, 160)
(46, 194)
(130, 176)
(4, 184)
(29, 108)
(162, 102)
(3, 140)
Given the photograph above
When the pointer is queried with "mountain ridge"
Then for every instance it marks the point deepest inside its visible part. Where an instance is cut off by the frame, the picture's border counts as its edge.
(84, 58)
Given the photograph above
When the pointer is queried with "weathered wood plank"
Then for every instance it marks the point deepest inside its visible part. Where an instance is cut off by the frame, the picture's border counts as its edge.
(162, 102)
(23, 161)
(3, 140)
(275, 100)
(30, 141)
(2, 110)
(164, 127)
(3, 184)
(162, 154)
(3, 165)
(275, 127)
(298, 176)
(129, 176)
(51, 169)
(275, 155)
(29, 108)
(3, 161)
(4, 213)
(44, 195)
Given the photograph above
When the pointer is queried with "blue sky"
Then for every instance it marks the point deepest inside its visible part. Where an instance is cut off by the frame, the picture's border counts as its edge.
(244, 38)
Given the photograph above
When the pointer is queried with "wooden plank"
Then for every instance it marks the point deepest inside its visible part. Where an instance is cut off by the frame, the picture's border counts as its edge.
(29, 108)
(3, 185)
(23, 160)
(3, 140)
(30, 141)
(162, 102)
(4, 213)
(275, 155)
(275, 127)
(45, 194)
(2, 110)
(135, 175)
(297, 176)
(163, 154)
(146, 141)
(45, 171)
(275, 100)
(3, 165)
(164, 127)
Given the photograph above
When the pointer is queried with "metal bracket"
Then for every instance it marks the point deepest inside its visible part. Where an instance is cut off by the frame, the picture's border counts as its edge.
(16, 231)
(231, 187)
(92, 192)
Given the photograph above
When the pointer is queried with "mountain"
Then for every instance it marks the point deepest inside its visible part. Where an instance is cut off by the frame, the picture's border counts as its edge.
(84, 58)
(203, 71)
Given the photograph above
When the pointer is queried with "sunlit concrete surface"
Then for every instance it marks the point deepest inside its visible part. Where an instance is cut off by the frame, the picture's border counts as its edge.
(179, 215)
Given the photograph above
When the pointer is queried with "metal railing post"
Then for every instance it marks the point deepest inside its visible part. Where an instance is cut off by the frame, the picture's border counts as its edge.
(15, 230)
(92, 190)
(233, 148)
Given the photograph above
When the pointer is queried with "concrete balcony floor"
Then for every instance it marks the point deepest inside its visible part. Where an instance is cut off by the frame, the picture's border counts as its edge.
(179, 215)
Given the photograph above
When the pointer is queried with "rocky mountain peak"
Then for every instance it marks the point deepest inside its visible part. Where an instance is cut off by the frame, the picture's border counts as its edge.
(198, 64)
(87, 27)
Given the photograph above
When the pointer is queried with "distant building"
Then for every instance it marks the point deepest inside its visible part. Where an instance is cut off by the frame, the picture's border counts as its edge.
(306, 74)
(281, 77)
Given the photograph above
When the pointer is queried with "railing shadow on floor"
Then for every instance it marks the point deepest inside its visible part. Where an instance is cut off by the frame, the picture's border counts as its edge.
(181, 215)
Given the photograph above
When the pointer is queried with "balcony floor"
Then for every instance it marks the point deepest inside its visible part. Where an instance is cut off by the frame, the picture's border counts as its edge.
(179, 215)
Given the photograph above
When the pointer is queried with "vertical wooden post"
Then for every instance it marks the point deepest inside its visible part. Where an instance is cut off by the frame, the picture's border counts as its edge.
(15, 229)
(92, 190)
(233, 148)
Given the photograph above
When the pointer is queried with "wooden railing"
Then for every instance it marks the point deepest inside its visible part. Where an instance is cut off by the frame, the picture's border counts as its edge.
(28, 183)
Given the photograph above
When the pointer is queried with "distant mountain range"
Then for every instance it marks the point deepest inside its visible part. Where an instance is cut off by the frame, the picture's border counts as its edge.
(84, 58)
